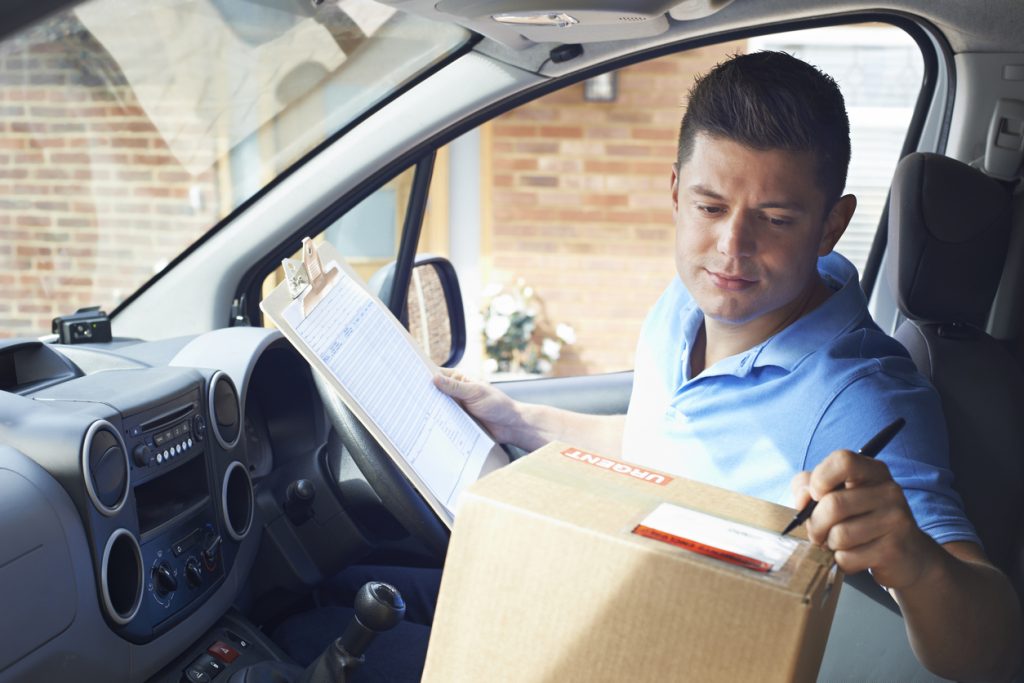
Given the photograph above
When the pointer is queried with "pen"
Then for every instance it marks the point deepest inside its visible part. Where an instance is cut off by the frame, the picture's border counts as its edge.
(869, 450)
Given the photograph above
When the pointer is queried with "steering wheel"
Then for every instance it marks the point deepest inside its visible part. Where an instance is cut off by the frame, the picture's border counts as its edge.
(389, 483)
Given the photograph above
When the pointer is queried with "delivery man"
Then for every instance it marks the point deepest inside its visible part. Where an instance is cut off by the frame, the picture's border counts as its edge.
(761, 358)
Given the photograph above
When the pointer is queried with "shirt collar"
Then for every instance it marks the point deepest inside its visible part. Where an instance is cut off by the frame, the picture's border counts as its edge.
(841, 311)
(787, 348)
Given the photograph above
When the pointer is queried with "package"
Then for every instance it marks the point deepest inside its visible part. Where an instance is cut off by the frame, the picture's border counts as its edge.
(568, 566)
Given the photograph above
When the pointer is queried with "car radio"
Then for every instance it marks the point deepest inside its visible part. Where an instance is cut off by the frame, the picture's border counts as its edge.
(166, 437)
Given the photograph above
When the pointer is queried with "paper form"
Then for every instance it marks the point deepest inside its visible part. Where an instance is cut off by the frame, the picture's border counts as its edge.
(363, 346)
(716, 537)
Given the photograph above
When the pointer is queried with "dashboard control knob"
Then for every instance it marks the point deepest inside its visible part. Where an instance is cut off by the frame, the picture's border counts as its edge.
(142, 454)
(301, 490)
(199, 427)
(193, 572)
(211, 545)
(298, 500)
(164, 579)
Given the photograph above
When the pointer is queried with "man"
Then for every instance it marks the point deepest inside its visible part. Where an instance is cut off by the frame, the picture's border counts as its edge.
(760, 360)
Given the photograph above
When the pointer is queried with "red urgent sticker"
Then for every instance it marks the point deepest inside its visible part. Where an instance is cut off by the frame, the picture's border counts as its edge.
(617, 467)
(703, 549)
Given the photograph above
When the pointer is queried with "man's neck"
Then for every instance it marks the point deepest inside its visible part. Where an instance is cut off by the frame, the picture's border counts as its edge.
(717, 340)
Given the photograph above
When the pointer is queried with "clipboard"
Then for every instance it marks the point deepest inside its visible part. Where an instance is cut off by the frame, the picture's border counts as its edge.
(381, 374)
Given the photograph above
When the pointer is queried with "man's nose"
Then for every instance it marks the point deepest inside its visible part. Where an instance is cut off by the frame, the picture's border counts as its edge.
(737, 236)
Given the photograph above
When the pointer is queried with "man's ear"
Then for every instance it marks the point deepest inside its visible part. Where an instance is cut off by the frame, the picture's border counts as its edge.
(836, 222)
(675, 190)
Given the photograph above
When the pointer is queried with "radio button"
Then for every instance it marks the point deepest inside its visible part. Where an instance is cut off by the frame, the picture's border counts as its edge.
(199, 426)
(190, 443)
(159, 458)
(142, 454)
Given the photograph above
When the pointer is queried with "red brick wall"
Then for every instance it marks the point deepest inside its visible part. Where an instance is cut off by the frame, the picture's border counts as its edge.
(86, 182)
(581, 206)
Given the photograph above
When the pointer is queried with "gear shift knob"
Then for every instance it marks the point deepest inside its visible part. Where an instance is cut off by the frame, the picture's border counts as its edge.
(379, 607)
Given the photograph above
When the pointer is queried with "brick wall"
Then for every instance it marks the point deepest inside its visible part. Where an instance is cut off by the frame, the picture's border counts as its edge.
(86, 181)
(581, 208)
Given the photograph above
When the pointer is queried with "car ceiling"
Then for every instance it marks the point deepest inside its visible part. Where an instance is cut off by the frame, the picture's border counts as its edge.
(990, 26)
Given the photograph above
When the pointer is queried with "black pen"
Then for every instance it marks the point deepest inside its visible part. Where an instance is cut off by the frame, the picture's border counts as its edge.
(869, 450)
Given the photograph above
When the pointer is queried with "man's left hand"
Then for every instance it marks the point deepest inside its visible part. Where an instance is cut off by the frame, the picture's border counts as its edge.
(863, 516)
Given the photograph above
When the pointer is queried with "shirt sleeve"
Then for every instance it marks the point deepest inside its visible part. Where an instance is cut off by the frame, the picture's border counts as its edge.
(918, 457)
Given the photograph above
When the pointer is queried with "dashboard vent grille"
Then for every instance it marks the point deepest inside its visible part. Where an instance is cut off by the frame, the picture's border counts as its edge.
(105, 467)
(225, 410)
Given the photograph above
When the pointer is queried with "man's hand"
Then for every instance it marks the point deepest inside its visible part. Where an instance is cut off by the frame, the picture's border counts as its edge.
(496, 412)
(961, 613)
(863, 516)
(529, 426)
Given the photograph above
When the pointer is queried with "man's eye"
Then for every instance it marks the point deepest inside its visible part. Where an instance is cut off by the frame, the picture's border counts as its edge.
(777, 220)
(710, 210)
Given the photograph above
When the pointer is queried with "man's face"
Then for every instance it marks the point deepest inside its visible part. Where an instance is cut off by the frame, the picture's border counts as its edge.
(750, 225)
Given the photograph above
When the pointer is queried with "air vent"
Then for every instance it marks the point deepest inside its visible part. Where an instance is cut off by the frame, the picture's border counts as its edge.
(105, 467)
(225, 412)
(633, 18)
(236, 500)
(121, 579)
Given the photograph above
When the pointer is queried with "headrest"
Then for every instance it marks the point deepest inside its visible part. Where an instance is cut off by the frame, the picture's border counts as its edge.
(949, 226)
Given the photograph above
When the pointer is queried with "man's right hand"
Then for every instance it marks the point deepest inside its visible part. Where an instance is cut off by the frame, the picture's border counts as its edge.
(529, 426)
(498, 413)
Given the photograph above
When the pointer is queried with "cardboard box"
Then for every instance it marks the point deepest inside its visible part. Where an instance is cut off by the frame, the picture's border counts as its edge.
(548, 578)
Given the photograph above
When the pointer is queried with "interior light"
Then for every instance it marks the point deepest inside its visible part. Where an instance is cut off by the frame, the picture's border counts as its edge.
(555, 19)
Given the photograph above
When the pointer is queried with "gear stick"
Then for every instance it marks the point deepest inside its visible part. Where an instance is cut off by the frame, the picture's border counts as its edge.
(379, 607)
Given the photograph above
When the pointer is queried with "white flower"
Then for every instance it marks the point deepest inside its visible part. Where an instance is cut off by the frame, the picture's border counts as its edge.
(528, 292)
(496, 327)
(566, 333)
(543, 366)
(550, 348)
(491, 290)
(503, 305)
(491, 365)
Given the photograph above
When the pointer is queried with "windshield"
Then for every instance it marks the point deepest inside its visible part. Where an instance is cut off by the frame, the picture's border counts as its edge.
(128, 130)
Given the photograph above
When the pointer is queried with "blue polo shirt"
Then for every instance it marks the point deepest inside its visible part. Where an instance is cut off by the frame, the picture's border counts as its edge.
(750, 422)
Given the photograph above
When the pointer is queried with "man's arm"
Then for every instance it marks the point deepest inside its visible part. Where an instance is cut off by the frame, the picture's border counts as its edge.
(962, 614)
(530, 426)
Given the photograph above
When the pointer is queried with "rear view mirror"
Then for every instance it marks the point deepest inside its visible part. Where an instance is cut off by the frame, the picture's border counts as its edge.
(433, 307)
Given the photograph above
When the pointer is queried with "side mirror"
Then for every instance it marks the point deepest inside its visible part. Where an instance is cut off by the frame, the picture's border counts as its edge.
(433, 307)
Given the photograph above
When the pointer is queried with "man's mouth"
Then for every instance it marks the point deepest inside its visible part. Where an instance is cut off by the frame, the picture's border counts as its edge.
(730, 282)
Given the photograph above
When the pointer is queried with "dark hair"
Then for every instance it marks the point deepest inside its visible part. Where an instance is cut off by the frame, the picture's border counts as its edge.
(772, 100)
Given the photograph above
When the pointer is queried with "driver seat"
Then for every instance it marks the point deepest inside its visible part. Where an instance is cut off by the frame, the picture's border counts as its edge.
(949, 227)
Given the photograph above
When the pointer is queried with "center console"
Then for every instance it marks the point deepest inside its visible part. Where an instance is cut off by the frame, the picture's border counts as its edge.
(186, 505)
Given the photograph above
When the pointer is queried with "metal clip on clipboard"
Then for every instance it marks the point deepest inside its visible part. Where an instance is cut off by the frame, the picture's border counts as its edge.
(308, 274)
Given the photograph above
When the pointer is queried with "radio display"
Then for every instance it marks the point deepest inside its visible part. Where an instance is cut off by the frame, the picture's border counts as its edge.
(173, 434)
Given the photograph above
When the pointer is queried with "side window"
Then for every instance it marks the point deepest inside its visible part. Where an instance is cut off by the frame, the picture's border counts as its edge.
(573, 238)
(369, 234)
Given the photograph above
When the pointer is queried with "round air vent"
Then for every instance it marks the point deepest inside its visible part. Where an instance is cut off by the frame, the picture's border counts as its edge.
(121, 578)
(236, 500)
(105, 467)
(225, 412)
